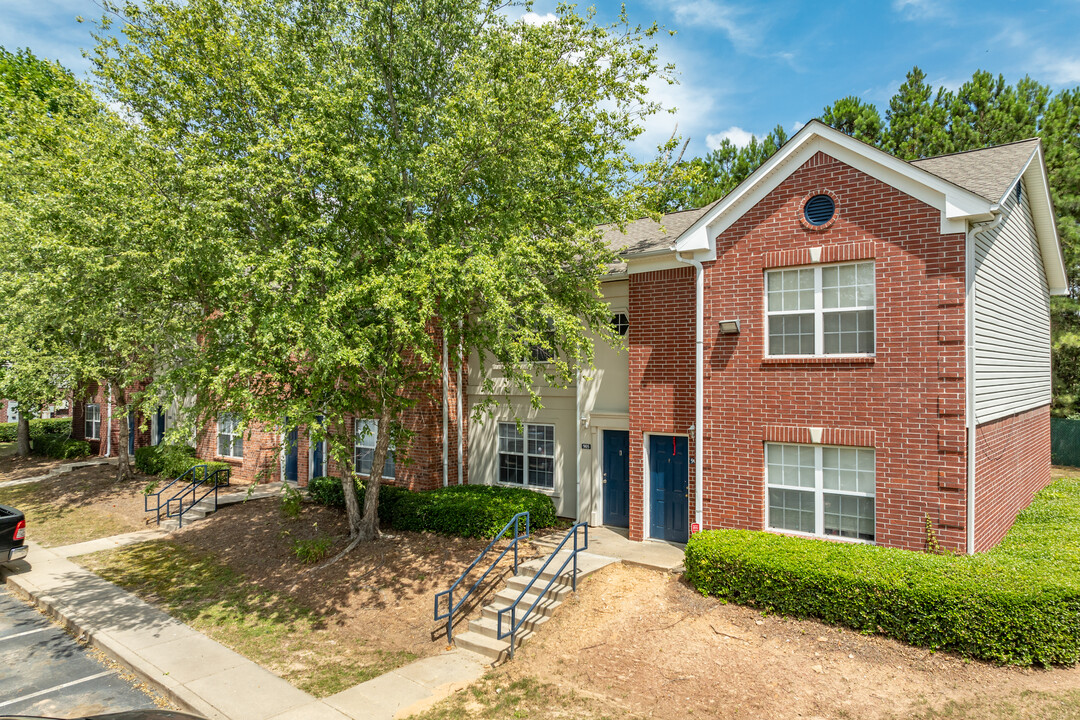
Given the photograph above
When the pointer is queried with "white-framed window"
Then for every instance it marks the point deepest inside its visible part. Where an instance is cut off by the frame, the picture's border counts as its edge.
(92, 426)
(821, 310)
(230, 438)
(821, 490)
(365, 433)
(529, 458)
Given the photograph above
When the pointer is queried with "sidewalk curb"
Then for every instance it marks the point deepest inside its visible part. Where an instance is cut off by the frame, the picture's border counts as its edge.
(173, 692)
(58, 470)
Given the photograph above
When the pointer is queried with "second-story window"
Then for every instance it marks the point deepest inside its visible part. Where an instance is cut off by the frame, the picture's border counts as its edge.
(822, 310)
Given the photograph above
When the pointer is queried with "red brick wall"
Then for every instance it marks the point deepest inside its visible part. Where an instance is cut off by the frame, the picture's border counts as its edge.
(1012, 463)
(3, 411)
(661, 341)
(907, 401)
(262, 451)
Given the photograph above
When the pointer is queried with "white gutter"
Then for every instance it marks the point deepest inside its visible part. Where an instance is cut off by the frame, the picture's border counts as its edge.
(969, 374)
(108, 423)
(460, 430)
(445, 413)
(577, 441)
(699, 379)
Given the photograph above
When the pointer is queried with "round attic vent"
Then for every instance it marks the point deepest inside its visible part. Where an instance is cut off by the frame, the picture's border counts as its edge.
(819, 209)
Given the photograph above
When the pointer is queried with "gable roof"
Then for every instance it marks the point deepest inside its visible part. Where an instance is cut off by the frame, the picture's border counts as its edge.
(990, 172)
(966, 187)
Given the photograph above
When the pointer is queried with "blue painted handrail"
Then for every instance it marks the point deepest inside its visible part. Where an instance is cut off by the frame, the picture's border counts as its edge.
(453, 607)
(516, 622)
(218, 478)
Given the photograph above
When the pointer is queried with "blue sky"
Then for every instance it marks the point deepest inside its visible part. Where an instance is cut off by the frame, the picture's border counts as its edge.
(745, 67)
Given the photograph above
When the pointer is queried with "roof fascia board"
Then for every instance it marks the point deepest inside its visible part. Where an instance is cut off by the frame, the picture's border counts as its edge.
(1042, 210)
(664, 260)
(957, 205)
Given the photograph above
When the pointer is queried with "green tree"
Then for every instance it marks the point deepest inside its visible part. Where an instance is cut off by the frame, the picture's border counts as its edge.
(85, 236)
(917, 119)
(856, 118)
(373, 177)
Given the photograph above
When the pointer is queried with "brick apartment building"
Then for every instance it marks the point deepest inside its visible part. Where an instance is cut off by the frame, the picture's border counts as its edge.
(845, 346)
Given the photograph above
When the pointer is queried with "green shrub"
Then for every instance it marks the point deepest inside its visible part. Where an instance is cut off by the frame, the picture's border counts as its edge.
(464, 510)
(39, 427)
(60, 447)
(148, 459)
(314, 550)
(328, 491)
(291, 501)
(175, 460)
(1017, 604)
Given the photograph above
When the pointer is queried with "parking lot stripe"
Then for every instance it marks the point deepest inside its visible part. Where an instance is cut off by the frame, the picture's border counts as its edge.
(28, 632)
(55, 688)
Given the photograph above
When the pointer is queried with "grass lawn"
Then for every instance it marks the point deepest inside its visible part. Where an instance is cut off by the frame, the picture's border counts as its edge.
(495, 698)
(84, 504)
(7, 448)
(267, 627)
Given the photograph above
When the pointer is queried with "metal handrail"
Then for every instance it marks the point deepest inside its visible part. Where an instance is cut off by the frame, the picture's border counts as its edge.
(453, 607)
(157, 496)
(192, 488)
(515, 623)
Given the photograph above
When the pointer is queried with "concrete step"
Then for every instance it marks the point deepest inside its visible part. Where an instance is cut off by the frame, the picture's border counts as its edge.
(489, 626)
(544, 608)
(498, 651)
(508, 595)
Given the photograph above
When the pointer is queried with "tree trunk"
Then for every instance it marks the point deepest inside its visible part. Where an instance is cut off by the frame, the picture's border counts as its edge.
(22, 435)
(123, 462)
(369, 526)
(352, 502)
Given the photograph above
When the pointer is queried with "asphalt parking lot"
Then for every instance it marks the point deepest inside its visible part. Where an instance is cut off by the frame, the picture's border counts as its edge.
(44, 671)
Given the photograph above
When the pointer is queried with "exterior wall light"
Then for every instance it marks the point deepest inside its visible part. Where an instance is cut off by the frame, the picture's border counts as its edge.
(729, 327)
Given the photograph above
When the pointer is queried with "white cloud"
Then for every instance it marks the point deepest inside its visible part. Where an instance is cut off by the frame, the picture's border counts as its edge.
(531, 18)
(1062, 70)
(731, 20)
(737, 136)
(920, 9)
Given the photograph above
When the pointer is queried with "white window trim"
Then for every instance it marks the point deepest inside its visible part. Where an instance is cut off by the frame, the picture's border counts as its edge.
(95, 424)
(819, 495)
(525, 455)
(232, 438)
(374, 439)
(819, 310)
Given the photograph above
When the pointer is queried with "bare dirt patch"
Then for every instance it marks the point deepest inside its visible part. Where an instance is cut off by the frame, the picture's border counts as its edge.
(646, 644)
(13, 467)
(323, 627)
(84, 504)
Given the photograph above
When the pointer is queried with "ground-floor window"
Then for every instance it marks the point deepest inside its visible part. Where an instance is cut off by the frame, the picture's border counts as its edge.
(230, 439)
(527, 458)
(821, 490)
(366, 431)
(93, 421)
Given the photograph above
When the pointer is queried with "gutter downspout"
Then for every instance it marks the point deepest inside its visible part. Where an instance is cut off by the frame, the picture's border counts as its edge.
(460, 429)
(969, 370)
(445, 413)
(699, 379)
(577, 442)
(108, 425)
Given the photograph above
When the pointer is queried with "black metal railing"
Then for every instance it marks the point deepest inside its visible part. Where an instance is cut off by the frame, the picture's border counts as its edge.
(198, 479)
(453, 607)
(515, 621)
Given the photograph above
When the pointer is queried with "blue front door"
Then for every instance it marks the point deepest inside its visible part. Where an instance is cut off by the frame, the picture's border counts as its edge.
(291, 456)
(160, 415)
(669, 482)
(318, 457)
(617, 478)
(131, 433)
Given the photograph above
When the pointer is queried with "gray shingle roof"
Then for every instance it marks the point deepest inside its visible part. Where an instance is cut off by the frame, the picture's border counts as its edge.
(645, 235)
(989, 172)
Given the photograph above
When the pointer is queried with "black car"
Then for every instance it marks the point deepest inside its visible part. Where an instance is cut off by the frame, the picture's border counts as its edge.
(129, 715)
(12, 534)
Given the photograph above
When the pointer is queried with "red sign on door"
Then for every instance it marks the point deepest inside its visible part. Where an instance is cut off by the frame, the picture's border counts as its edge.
(694, 527)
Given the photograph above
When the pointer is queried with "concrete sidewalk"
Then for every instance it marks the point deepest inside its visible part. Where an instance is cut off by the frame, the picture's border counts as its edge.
(59, 470)
(198, 673)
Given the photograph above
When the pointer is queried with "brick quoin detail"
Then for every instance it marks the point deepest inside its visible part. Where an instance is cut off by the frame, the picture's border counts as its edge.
(890, 402)
(1012, 463)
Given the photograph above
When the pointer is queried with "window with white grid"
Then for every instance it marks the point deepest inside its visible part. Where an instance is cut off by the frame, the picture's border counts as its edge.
(230, 436)
(821, 490)
(365, 432)
(93, 421)
(527, 458)
(821, 310)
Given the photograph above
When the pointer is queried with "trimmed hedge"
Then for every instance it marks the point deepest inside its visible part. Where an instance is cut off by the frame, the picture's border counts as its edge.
(60, 447)
(1018, 603)
(171, 461)
(39, 427)
(463, 510)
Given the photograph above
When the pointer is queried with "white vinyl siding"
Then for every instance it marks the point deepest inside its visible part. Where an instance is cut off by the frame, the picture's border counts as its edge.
(1012, 317)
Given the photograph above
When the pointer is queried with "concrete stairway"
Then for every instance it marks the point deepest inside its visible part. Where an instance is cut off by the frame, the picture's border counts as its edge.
(482, 635)
(227, 496)
(196, 512)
